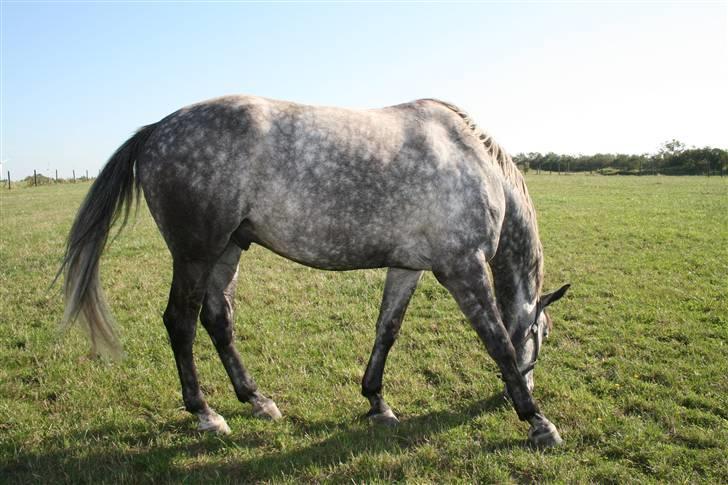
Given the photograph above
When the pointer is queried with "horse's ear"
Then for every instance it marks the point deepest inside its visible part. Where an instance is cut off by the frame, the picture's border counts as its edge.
(549, 298)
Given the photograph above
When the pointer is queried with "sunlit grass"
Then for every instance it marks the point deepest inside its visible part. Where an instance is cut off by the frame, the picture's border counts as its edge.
(634, 375)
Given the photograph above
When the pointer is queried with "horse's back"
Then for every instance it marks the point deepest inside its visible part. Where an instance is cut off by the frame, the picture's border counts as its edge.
(330, 187)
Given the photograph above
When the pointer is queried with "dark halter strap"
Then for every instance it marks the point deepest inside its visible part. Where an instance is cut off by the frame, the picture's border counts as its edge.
(531, 330)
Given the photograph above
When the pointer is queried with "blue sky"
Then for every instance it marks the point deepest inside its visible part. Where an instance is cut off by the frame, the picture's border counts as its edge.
(79, 77)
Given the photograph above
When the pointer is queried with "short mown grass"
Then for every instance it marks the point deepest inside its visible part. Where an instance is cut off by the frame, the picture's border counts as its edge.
(635, 374)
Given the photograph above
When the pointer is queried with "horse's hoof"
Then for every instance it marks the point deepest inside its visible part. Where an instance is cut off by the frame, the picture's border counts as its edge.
(543, 434)
(387, 418)
(212, 422)
(266, 409)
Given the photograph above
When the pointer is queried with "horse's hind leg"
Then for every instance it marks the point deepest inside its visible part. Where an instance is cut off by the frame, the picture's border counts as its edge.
(217, 318)
(398, 290)
(180, 318)
(468, 283)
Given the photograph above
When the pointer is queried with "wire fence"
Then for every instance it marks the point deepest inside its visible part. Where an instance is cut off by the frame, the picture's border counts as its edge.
(38, 179)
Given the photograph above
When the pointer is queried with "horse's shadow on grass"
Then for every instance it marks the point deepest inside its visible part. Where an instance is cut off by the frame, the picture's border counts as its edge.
(142, 453)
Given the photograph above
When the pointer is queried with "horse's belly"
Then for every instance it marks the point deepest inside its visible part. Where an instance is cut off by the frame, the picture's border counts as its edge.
(343, 244)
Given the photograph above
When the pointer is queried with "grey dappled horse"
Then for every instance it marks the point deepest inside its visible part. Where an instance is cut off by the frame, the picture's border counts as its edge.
(414, 187)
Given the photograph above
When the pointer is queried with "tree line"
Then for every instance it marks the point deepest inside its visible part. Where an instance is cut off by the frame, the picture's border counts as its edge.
(672, 158)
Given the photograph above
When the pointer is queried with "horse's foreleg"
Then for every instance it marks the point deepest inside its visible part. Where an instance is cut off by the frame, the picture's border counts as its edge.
(217, 318)
(398, 289)
(180, 319)
(467, 281)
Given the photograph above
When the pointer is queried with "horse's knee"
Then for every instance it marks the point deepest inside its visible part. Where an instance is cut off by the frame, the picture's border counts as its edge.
(179, 332)
(222, 336)
(217, 320)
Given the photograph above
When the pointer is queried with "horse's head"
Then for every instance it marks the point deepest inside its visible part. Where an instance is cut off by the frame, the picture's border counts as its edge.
(528, 339)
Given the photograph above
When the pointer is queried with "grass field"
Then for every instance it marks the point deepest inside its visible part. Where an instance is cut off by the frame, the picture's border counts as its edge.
(635, 374)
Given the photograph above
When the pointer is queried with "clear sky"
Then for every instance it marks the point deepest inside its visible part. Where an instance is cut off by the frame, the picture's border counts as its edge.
(79, 77)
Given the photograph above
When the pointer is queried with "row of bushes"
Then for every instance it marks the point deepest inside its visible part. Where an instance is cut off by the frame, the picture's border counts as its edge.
(39, 179)
(673, 158)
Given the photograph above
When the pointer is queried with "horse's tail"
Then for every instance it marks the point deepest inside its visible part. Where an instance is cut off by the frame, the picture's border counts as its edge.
(110, 196)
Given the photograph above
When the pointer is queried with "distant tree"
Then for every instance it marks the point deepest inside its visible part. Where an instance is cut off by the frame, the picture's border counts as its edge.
(522, 162)
(671, 148)
(551, 162)
(536, 160)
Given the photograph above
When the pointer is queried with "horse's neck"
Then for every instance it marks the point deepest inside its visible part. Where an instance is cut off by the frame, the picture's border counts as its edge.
(517, 266)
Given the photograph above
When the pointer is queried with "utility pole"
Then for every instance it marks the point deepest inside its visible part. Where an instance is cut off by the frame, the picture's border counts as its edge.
(1, 170)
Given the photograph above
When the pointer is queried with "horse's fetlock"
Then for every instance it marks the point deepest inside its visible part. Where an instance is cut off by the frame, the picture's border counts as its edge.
(370, 392)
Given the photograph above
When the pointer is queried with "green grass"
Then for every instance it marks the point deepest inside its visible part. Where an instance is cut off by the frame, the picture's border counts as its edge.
(634, 374)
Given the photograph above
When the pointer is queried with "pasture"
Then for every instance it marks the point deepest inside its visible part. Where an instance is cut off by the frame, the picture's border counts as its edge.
(634, 375)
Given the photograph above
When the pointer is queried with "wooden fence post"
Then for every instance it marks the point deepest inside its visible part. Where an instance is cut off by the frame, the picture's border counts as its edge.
(35, 179)
(74, 175)
(8, 179)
